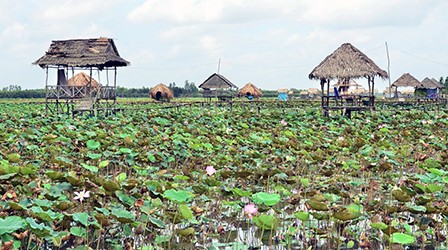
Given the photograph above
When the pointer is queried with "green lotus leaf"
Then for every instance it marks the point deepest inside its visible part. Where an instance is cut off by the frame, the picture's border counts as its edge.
(266, 222)
(185, 211)
(91, 144)
(11, 224)
(401, 238)
(178, 196)
(266, 198)
(303, 216)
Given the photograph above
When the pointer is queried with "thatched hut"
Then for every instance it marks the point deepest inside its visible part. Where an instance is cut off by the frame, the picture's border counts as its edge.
(405, 80)
(428, 88)
(217, 81)
(218, 86)
(161, 92)
(250, 91)
(99, 54)
(81, 80)
(346, 63)
(437, 83)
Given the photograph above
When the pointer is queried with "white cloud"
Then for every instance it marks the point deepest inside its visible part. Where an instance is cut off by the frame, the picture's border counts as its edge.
(208, 11)
(179, 33)
(211, 45)
(365, 13)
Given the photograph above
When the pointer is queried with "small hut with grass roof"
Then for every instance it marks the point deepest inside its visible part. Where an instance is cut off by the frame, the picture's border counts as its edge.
(161, 92)
(405, 80)
(250, 91)
(81, 80)
(428, 88)
(346, 63)
(219, 87)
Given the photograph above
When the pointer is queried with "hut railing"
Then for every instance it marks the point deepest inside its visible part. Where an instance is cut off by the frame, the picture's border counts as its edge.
(107, 92)
(79, 92)
(219, 93)
(346, 100)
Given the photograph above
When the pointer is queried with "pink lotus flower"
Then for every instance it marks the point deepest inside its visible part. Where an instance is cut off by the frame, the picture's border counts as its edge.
(250, 210)
(82, 195)
(210, 170)
(283, 122)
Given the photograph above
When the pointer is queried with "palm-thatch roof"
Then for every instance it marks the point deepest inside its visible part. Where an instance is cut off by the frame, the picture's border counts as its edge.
(250, 89)
(427, 84)
(406, 80)
(314, 91)
(437, 83)
(95, 52)
(217, 81)
(82, 79)
(161, 91)
(347, 62)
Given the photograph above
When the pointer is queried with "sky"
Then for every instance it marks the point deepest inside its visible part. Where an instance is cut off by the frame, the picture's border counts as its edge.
(271, 43)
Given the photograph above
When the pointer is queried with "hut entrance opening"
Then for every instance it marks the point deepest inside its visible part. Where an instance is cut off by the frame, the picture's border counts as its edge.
(158, 95)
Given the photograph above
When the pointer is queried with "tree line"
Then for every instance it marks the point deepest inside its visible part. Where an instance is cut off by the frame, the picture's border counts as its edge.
(189, 89)
(444, 82)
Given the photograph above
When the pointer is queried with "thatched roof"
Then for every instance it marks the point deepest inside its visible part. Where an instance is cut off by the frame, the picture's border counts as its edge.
(437, 83)
(282, 91)
(346, 62)
(217, 81)
(82, 79)
(406, 80)
(161, 91)
(251, 89)
(427, 84)
(95, 52)
(314, 91)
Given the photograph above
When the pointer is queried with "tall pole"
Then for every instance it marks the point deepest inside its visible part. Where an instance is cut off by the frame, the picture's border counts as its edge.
(388, 70)
(219, 65)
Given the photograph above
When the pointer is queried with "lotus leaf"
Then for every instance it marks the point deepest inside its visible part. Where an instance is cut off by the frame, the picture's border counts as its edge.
(82, 218)
(123, 215)
(110, 186)
(303, 216)
(178, 196)
(11, 224)
(186, 212)
(266, 222)
(400, 195)
(91, 144)
(317, 205)
(401, 238)
(78, 231)
(266, 198)
(379, 225)
(90, 168)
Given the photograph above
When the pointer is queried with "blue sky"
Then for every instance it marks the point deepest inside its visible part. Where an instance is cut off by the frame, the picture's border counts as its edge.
(271, 43)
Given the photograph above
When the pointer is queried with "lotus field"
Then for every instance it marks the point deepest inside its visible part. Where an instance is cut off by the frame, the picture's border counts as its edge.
(208, 178)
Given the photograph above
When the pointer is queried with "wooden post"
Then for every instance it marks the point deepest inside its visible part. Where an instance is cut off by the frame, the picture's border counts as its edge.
(322, 83)
(46, 90)
(372, 102)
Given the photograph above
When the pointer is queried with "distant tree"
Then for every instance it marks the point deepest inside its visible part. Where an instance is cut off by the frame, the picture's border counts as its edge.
(190, 87)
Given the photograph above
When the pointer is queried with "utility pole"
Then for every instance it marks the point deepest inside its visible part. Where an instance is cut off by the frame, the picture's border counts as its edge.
(388, 70)
(219, 65)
